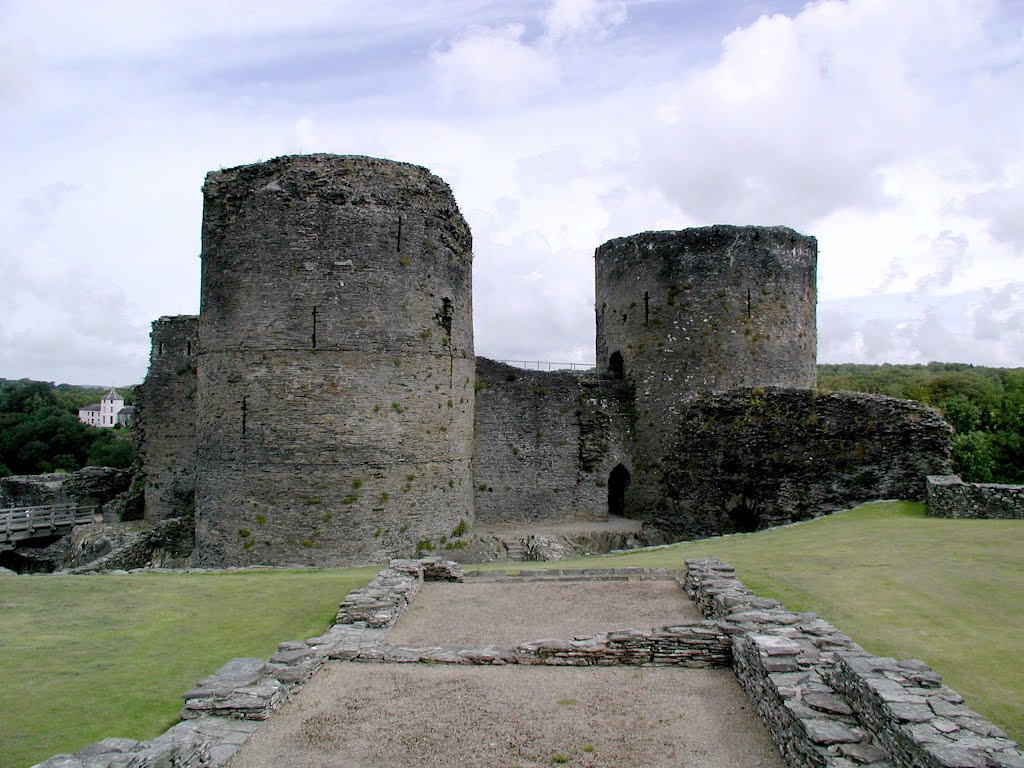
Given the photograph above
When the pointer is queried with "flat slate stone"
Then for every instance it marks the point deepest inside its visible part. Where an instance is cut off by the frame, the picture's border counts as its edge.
(237, 673)
(830, 732)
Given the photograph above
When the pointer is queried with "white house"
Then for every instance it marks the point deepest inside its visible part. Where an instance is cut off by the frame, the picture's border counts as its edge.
(108, 412)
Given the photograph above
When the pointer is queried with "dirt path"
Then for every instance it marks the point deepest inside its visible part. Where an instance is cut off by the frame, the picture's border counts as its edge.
(423, 716)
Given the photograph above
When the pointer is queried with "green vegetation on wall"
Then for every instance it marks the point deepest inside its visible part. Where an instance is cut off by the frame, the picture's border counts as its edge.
(985, 406)
(40, 430)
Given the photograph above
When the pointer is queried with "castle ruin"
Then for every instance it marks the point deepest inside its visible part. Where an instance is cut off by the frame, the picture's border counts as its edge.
(326, 405)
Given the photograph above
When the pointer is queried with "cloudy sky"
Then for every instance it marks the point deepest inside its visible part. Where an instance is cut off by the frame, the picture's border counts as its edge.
(893, 130)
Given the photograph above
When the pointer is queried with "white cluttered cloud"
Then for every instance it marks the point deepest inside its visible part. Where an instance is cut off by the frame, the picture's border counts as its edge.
(891, 131)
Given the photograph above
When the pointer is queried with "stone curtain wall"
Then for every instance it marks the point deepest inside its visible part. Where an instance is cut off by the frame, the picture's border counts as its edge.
(706, 309)
(545, 444)
(949, 496)
(166, 424)
(755, 458)
(336, 362)
(830, 704)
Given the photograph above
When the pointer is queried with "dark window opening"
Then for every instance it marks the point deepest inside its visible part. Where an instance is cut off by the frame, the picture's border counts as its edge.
(616, 366)
(743, 513)
(245, 412)
(188, 347)
(647, 307)
(618, 482)
(314, 328)
(399, 234)
(160, 348)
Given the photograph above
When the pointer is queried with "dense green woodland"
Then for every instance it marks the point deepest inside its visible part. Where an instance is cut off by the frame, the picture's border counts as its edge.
(40, 430)
(984, 405)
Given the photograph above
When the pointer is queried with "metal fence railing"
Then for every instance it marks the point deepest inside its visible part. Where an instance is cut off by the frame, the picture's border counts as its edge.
(544, 365)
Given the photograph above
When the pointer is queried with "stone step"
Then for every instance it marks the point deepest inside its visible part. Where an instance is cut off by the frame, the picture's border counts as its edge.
(515, 548)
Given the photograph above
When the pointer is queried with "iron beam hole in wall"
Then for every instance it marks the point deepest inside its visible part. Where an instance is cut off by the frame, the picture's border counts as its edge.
(618, 482)
(616, 366)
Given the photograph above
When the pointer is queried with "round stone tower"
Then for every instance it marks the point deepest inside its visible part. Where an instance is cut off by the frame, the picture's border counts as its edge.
(336, 366)
(702, 310)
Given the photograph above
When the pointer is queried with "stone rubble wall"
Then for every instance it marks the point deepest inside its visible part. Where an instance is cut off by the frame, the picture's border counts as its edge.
(700, 645)
(920, 721)
(544, 445)
(949, 496)
(165, 430)
(166, 542)
(827, 702)
(756, 458)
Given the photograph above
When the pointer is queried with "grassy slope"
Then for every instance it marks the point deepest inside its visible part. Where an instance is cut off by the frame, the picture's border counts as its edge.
(74, 669)
(950, 592)
(87, 657)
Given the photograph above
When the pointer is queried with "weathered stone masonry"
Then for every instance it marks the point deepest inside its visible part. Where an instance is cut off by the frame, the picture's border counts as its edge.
(753, 458)
(167, 418)
(335, 382)
(949, 496)
(546, 444)
(828, 703)
(701, 310)
(341, 417)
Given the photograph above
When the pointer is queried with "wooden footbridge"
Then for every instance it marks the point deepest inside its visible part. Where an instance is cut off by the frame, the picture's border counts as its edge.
(22, 523)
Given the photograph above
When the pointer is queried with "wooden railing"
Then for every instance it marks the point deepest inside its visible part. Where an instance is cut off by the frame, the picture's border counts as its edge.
(30, 522)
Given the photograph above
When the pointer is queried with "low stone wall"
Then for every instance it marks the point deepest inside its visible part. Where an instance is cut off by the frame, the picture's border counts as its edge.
(827, 702)
(697, 646)
(949, 496)
(921, 722)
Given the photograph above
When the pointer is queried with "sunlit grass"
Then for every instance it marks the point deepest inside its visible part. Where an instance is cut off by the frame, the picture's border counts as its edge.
(87, 657)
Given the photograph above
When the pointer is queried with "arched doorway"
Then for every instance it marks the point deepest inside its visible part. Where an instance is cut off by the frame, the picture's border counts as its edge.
(616, 366)
(618, 482)
(743, 513)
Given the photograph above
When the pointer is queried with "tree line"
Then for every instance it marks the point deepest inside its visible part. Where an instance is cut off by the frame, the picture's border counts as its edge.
(985, 407)
(40, 430)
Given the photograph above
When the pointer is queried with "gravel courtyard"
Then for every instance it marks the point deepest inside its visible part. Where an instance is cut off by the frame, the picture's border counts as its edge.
(369, 715)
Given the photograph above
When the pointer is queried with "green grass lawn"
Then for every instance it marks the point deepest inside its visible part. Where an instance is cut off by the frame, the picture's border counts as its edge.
(949, 592)
(87, 657)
